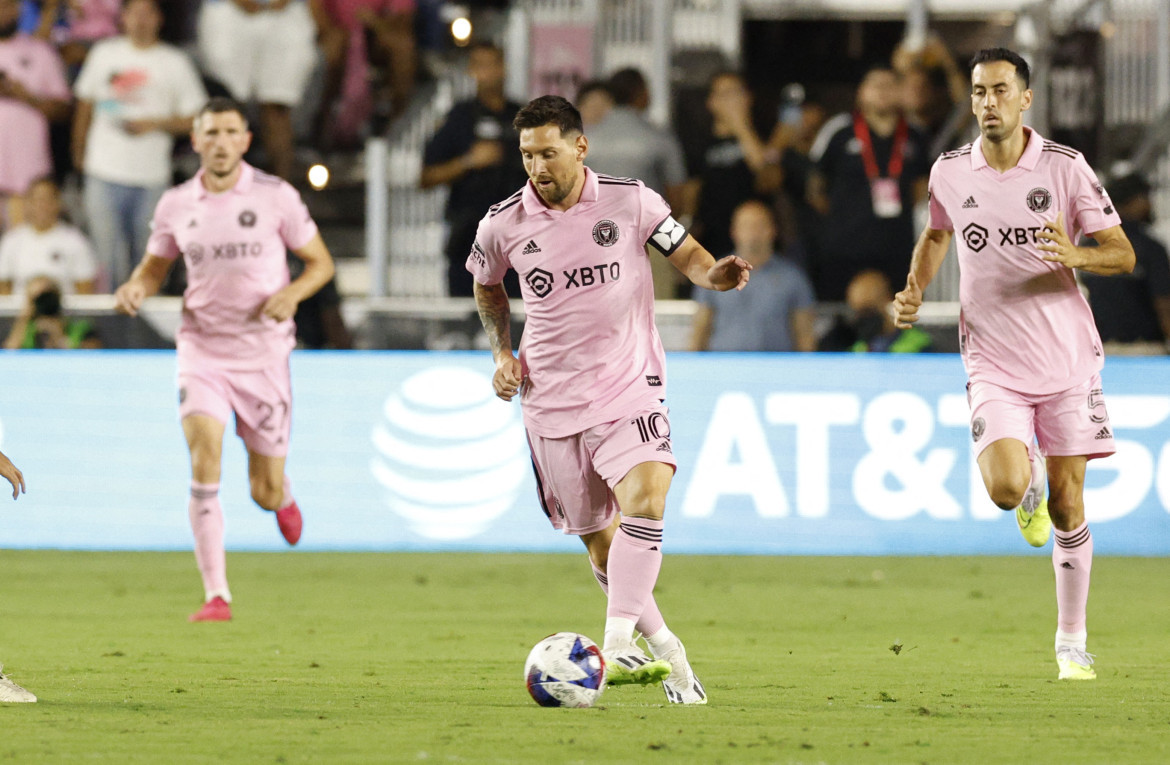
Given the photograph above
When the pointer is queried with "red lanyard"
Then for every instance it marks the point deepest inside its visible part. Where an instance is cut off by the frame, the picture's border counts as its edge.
(901, 133)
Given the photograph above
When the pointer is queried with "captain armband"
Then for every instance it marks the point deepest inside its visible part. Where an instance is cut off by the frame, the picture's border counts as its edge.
(668, 236)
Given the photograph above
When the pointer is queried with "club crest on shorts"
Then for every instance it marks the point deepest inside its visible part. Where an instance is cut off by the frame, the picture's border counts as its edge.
(606, 233)
(1039, 199)
(977, 427)
(247, 219)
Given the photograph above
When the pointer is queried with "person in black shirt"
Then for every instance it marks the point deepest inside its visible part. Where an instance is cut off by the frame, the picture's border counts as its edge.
(1134, 309)
(872, 169)
(474, 151)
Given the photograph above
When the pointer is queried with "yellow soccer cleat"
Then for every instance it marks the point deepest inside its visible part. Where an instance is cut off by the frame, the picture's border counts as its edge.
(1075, 664)
(629, 665)
(1032, 514)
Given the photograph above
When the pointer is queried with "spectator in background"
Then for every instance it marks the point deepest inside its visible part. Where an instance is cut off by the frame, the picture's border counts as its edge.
(33, 92)
(475, 152)
(594, 102)
(733, 166)
(791, 141)
(776, 314)
(134, 95)
(45, 246)
(75, 25)
(43, 324)
(262, 50)
(1133, 310)
(872, 169)
(354, 36)
(870, 325)
(935, 92)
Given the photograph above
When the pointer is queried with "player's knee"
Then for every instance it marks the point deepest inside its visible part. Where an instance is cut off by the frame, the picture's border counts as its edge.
(1007, 492)
(267, 493)
(647, 504)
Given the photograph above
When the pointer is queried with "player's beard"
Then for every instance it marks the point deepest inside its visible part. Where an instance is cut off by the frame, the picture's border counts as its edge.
(558, 192)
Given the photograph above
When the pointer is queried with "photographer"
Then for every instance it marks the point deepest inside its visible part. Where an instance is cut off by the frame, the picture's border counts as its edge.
(42, 324)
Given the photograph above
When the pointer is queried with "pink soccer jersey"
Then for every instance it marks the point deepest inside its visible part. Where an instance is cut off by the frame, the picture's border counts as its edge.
(590, 351)
(1023, 324)
(24, 131)
(234, 247)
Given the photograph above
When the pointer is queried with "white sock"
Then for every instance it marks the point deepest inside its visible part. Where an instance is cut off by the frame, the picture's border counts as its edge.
(618, 631)
(225, 594)
(660, 642)
(1071, 639)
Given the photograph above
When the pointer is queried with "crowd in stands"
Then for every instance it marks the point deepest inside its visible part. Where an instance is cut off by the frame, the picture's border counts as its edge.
(96, 97)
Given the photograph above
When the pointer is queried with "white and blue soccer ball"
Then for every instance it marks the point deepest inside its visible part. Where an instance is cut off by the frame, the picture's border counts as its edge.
(565, 670)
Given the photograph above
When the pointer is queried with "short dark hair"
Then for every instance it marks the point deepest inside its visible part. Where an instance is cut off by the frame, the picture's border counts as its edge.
(627, 85)
(221, 105)
(593, 86)
(988, 55)
(549, 110)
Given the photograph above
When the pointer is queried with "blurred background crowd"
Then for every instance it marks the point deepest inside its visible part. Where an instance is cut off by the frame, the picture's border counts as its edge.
(798, 135)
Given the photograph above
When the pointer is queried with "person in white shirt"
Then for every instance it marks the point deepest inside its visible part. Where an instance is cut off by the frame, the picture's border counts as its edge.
(134, 95)
(45, 246)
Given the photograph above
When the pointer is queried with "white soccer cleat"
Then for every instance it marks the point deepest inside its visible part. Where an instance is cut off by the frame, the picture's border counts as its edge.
(1075, 664)
(10, 692)
(629, 665)
(681, 685)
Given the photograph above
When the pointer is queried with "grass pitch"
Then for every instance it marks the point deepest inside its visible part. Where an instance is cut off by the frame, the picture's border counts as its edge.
(338, 658)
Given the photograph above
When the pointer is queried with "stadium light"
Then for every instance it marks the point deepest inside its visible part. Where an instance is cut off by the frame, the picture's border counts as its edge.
(461, 30)
(318, 176)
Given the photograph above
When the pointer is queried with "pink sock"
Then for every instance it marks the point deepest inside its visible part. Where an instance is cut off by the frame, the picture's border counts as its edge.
(650, 622)
(1072, 559)
(287, 499)
(634, 559)
(207, 525)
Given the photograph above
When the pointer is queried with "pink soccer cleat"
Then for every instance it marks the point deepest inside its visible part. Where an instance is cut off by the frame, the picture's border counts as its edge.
(215, 610)
(290, 522)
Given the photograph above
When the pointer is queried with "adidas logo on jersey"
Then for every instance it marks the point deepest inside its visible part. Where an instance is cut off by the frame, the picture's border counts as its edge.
(1103, 433)
(531, 248)
(970, 203)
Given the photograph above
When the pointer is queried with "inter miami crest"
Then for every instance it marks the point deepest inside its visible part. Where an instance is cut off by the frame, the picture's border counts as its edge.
(977, 428)
(606, 233)
(247, 219)
(1039, 199)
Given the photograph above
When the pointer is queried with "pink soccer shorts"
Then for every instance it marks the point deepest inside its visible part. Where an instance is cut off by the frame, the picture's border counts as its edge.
(261, 400)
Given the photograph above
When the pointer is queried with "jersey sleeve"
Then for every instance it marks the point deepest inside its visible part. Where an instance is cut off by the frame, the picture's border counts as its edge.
(939, 220)
(656, 226)
(162, 229)
(297, 227)
(485, 261)
(1090, 209)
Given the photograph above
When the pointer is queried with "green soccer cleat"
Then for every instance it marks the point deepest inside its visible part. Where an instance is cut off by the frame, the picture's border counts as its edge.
(1075, 664)
(1032, 514)
(681, 686)
(629, 665)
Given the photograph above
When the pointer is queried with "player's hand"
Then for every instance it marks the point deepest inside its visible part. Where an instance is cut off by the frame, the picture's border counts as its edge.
(128, 298)
(12, 475)
(484, 154)
(906, 304)
(138, 127)
(280, 306)
(731, 272)
(1059, 248)
(508, 378)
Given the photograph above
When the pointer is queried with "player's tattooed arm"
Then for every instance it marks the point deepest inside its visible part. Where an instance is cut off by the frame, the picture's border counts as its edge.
(1112, 255)
(496, 315)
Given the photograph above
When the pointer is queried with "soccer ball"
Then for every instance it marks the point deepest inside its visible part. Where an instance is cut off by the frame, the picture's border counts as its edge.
(565, 670)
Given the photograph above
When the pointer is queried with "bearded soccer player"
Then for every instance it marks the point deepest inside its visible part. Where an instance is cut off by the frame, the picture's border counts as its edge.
(10, 692)
(1028, 340)
(232, 225)
(591, 371)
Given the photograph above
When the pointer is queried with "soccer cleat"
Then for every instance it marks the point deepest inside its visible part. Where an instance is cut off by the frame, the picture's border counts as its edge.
(290, 522)
(215, 610)
(1032, 514)
(629, 665)
(11, 693)
(1075, 664)
(681, 685)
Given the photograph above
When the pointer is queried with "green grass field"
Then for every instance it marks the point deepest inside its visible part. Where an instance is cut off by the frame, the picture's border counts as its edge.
(418, 658)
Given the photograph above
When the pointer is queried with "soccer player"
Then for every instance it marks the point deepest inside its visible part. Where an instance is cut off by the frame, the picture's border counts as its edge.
(1029, 344)
(10, 691)
(232, 224)
(591, 370)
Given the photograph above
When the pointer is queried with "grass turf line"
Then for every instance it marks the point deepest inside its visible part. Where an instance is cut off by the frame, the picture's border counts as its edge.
(418, 658)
